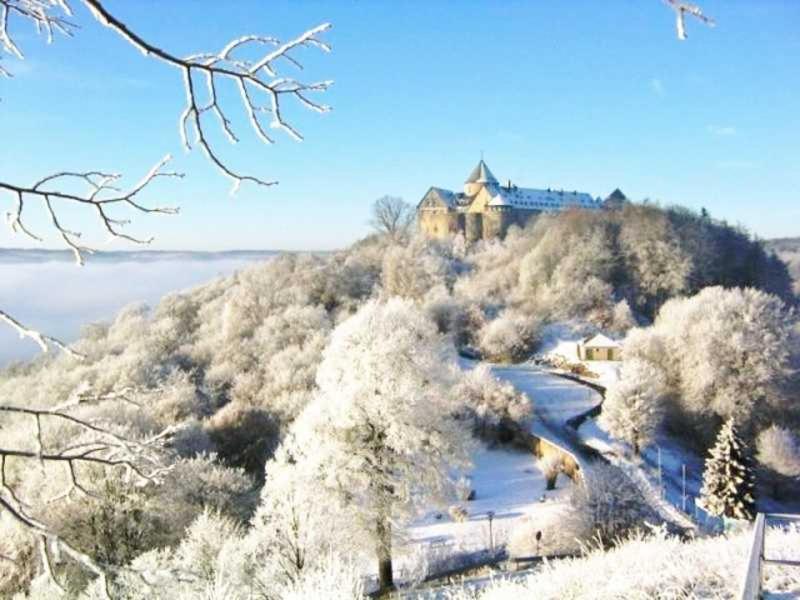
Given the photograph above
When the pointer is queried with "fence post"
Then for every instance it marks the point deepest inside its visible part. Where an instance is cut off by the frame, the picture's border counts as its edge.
(683, 492)
(660, 480)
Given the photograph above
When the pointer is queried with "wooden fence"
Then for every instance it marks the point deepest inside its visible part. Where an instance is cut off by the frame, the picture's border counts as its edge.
(751, 586)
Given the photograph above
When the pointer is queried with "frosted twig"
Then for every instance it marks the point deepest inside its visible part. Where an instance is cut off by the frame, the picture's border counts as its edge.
(44, 341)
(250, 76)
(44, 14)
(101, 195)
(681, 9)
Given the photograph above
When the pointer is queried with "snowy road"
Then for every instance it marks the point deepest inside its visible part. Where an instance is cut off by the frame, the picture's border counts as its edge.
(555, 399)
(508, 482)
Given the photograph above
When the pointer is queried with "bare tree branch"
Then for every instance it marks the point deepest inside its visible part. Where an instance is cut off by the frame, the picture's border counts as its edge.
(392, 216)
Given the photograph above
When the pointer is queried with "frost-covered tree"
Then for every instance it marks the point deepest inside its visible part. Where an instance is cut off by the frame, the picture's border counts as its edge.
(380, 440)
(511, 337)
(728, 479)
(779, 449)
(634, 406)
(606, 506)
(724, 353)
(411, 270)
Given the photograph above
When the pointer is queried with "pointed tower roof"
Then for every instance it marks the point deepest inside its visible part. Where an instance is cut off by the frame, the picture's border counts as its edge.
(617, 195)
(481, 174)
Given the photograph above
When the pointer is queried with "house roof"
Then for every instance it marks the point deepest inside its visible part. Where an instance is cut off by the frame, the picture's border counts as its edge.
(438, 197)
(533, 199)
(481, 174)
(599, 340)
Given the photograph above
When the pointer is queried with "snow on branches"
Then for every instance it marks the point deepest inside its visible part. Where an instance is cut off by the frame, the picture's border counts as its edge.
(252, 77)
(380, 440)
(634, 406)
(101, 195)
(45, 16)
(94, 446)
(44, 341)
(683, 8)
(728, 479)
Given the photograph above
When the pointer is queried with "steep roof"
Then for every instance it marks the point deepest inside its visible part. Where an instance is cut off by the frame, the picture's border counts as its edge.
(533, 199)
(481, 174)
(600, 341)
(438, 197)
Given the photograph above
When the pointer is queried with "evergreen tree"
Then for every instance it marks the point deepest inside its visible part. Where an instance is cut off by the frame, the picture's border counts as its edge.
(728, 480)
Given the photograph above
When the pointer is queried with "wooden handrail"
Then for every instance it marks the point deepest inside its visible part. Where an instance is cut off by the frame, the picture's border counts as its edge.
(751, 586)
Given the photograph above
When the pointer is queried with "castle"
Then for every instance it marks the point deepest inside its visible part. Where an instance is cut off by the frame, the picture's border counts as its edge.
(487, 209)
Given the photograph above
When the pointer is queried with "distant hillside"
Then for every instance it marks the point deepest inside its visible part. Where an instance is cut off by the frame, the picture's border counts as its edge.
(788, 249)
(34, 255)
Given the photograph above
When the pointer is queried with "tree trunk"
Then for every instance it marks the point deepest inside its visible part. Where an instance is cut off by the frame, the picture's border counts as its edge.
(384, 552)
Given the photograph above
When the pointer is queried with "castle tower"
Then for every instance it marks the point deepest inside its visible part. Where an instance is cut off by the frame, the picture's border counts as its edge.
(480, 176)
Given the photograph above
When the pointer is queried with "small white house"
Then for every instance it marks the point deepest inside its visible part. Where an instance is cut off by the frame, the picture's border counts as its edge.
(599, 347)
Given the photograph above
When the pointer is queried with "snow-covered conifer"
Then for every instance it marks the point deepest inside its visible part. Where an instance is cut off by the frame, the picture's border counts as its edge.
(728, 480)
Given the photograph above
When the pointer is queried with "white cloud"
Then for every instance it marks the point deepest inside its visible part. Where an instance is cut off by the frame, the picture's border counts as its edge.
(657, 86)
(720, 130)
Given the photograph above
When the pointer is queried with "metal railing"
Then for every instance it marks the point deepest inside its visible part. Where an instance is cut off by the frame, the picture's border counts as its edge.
(751, 586)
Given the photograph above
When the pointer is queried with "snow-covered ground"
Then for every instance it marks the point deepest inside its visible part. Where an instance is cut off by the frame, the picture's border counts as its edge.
(506, 482)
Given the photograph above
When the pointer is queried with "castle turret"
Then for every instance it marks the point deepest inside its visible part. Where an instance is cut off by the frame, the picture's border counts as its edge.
(480, 176)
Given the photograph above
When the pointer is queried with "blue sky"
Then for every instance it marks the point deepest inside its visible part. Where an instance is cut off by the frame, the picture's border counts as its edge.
(582, 95)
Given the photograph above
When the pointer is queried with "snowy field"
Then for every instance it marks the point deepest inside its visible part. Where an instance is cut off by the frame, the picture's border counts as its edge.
(46, 291)
(506, 482)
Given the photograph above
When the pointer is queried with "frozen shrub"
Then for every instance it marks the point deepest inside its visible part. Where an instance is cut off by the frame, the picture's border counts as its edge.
(458, 513)
(244, 436)
(651, 566)
(779, 449)
(608, 506)
(411, 270)
(493, 406)
(333, 578)
(622, 318)
(464, 489)
(510, 337)
(552, 533)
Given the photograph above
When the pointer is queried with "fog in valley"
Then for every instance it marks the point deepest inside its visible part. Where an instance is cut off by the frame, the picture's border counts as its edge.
(47, 291)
